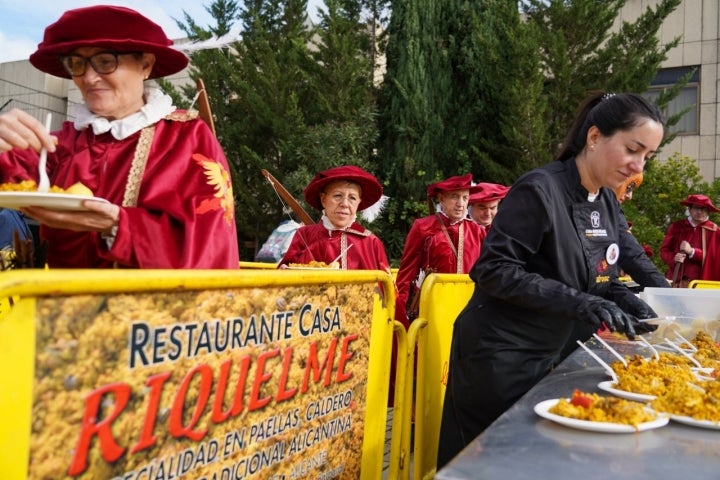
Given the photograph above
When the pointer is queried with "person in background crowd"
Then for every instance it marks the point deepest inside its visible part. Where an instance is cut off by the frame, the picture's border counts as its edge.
(12, 221)
(12, 226)
(634, 258)
(340, 193)
(444, 242)
(484, 204)
(547, 275)
(684, 247)
(626, 189)
(161, 170)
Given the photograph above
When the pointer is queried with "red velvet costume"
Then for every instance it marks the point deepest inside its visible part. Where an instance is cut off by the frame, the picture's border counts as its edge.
(426, 246)
(315, 242)
(683, 230)
(184, 216)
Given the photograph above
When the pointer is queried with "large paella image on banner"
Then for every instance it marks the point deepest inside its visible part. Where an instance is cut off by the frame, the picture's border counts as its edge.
(208, 385)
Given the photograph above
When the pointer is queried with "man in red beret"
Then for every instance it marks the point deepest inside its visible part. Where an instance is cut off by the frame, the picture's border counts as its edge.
(484, 204)
(446, 241)
(685, 245)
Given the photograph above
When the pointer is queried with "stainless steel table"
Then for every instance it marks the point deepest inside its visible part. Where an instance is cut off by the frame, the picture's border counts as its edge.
(521, 445)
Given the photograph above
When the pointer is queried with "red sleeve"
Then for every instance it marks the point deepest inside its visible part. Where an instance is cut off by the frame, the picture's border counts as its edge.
(293, 252)
(410, 264)
(185, 215)
(711, 268)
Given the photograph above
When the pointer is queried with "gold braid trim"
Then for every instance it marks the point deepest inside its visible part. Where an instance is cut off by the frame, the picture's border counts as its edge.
(461, 243)
(137, 169)
(183, 115)
(343, 248)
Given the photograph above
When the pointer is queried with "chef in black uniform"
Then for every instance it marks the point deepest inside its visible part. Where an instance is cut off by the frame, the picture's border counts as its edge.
(547, 274)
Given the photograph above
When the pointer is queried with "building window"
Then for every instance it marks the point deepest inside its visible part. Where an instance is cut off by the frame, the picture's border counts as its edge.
(689, 96)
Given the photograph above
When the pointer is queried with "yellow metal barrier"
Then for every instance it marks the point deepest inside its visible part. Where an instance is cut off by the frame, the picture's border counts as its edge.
(46, 315)
(442, 298)
(399, 439)
(258, 265)
(704, 284)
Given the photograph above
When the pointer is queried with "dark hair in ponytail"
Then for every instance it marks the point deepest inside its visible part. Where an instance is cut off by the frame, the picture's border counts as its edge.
(609, 113)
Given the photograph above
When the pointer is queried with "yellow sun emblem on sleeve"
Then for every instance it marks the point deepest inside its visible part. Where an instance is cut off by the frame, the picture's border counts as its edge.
(219, 178)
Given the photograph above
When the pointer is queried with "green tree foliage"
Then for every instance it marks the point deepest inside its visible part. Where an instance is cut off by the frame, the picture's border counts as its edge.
(582, 51)
(487, 86)
(656, 203)
(498, 84)
(518, 72)
(414, 102)
(288, 96)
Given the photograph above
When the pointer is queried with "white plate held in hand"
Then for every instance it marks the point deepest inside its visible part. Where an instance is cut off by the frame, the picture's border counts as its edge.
(53, 201)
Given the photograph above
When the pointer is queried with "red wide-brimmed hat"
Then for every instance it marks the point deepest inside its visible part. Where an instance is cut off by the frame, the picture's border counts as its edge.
(115, 28)
(461, 182)
(699, 200)
(489, 192)
(371, 188)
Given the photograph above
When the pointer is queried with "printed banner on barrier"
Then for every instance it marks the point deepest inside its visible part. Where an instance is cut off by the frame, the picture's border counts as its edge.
(211, 385)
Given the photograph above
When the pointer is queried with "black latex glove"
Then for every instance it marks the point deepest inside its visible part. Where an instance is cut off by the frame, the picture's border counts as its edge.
(635, 306)
(641, 327)
(598, 311)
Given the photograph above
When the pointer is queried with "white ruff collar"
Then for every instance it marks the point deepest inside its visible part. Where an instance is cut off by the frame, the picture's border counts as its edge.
(452, 222)
(329, 225)
(157, 106)
(693, 222)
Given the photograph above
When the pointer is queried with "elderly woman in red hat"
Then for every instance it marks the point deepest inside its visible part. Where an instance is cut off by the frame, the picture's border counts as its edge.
(685, 244)
(162, 171)
(340, 193)
(445, 242)
(484, 204)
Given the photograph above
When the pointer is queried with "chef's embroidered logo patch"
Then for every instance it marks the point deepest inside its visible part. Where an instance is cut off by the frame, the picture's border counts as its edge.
(595, 231)
(219, 179)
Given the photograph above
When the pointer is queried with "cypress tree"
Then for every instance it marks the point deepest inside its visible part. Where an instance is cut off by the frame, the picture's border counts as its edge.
(582, 51)
(412, 108)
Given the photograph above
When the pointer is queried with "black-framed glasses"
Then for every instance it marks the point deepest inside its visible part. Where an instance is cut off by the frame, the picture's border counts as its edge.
(101, 62)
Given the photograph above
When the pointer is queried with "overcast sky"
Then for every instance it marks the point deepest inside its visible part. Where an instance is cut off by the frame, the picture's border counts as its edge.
(22, 22)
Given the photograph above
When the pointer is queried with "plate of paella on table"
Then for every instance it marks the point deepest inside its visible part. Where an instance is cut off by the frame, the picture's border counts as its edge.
(592, 412)
(696, 404)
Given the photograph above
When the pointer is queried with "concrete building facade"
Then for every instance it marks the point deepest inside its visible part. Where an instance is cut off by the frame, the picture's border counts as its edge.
(697, 23)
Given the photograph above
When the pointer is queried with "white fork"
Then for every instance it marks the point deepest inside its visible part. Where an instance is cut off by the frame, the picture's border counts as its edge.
(44, 181)
(607, 367)
(612, 350)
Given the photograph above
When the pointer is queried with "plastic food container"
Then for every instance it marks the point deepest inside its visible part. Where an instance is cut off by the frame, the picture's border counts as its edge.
(686, 311)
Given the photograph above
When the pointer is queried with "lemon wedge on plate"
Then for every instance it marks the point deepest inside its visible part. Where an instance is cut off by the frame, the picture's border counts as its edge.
(79, 189)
